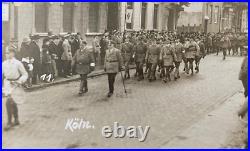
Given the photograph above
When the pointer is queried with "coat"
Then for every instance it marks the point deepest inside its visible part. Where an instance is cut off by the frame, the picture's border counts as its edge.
(83, 59)
(202, 51)
(35, 52)
(53, 50)
(225, 43)
(127, 51)
(67, 55)
(113, 60)
(153, 54)
(140, 52)
(179, 52)
(167, 55)
(244, 69)
(46, 60)
(25, 51)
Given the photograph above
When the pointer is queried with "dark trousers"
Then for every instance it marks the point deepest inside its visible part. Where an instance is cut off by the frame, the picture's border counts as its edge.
(36, 72)
(177, 70)
(59, 67)
(84, 82)
(12, 110)
(167, 71)
(66, 67)
(111, 80)
(139, 68)
(245, 85)
(102, 58)
(151, 71)
(189, 65)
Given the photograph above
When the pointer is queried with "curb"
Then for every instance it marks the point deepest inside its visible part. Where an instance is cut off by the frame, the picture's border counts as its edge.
(45, 85)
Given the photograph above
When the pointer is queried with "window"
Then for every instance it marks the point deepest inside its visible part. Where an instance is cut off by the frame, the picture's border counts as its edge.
(216, 14)
(68, 16)
(129, 15)
(41, 17)
(143, 15)
(93, 17)
(211, 14)
(155, 23)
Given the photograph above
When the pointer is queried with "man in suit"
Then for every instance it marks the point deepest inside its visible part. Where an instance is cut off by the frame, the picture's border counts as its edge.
(112, 65)
(35, 54)
(66, 56)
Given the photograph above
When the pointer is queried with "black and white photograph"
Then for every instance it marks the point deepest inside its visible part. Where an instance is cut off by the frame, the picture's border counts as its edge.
(162, 75)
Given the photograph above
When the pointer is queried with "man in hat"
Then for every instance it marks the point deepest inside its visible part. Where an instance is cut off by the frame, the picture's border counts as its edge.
(35, 54)
(199, 54)
(54, 50)
(66, 56)
(127, 51)
(152, 56)
(13, 71)
(83, 60)
(112, 65)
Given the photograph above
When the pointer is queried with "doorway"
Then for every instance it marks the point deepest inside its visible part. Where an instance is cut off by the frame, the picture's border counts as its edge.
(113, 16)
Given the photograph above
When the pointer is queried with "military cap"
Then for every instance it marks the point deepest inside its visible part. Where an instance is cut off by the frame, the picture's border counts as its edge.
(35, 37)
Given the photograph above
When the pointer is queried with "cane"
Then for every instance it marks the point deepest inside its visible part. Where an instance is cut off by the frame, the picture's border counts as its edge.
(123, 84)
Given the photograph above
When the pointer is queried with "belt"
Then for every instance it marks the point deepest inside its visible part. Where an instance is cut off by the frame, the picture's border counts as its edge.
(12, 79)
(113, 61)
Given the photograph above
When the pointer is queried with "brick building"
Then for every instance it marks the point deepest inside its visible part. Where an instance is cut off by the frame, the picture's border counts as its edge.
(24, 18)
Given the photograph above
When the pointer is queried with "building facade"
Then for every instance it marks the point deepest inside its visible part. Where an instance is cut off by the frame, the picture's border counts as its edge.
(224, 16)
(89, 19)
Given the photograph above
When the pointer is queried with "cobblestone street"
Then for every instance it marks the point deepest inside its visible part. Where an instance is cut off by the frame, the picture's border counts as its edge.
(168, 108)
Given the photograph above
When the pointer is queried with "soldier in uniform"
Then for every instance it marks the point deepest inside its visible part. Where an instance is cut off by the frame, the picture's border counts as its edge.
(140, 52)
(152, 56)
(199, 54)
(192, 49)
(167, 56)
(13, 71)
(85, 63)
(112, 65)
(225, 44)
(127, 51)
(179, 56)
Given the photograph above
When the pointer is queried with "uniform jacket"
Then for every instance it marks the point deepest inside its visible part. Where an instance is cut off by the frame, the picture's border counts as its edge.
(82, 59)
(67, 55)
(127, 51)
(225, 42)
(153, 53)
(167, 55)
(140, 52)
(192, 50)
(113, 60)
(202, 51)
(179, 52)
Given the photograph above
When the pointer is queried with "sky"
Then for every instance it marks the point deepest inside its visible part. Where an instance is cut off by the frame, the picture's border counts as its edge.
(194, 7)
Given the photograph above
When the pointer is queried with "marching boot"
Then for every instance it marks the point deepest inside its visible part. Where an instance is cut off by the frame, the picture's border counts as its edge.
(86, 87)
(128, 75)
(81, 88)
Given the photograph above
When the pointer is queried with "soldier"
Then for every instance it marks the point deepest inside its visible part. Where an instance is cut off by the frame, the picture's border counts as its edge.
(152, 56)
(179, 51)
(225, 44)
(190, 52)
(13, 71)
(127, 51)
(200, 54)
(140, 53)
(167, 56)
(85, 63)
(112, 65)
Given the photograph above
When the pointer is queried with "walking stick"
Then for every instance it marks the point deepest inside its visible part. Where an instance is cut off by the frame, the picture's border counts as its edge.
(123, 84)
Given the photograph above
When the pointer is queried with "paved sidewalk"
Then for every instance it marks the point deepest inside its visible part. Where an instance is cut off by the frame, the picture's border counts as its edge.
(222, 123)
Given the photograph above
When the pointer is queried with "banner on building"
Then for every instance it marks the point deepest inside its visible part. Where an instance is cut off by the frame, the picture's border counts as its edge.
(129, 15)
(5, 12)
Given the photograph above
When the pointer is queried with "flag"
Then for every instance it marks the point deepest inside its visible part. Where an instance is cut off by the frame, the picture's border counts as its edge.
(129, 15)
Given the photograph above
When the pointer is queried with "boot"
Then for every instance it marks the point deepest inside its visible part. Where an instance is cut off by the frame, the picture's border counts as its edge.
(86, 87)
(16, 122)
(81, 88)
